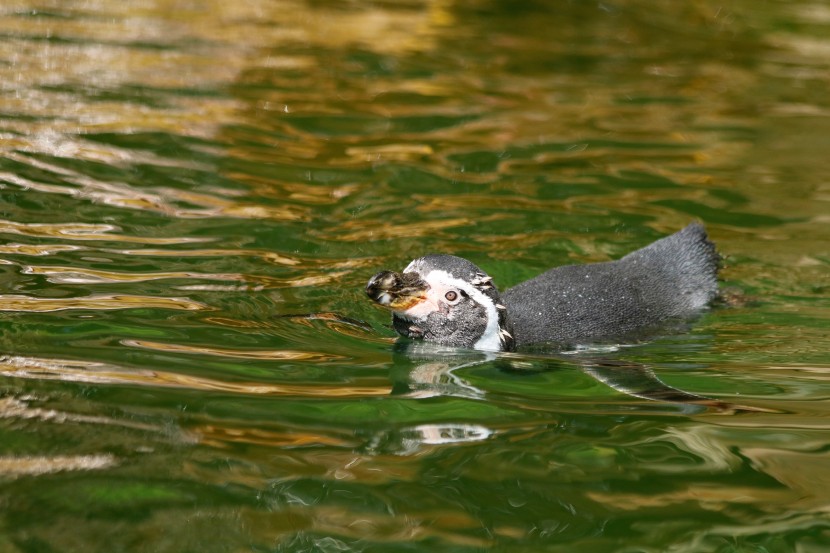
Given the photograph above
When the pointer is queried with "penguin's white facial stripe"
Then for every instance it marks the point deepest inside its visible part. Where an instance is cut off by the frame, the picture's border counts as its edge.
(440, 283)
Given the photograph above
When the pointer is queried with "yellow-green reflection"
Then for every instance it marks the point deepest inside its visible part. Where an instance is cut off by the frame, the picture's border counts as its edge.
(10, 302)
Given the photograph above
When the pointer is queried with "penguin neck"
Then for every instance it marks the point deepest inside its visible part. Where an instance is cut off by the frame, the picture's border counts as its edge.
(506, 334)
(498, 336)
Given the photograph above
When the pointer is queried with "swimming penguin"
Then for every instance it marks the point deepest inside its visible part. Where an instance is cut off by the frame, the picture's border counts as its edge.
(447, 300)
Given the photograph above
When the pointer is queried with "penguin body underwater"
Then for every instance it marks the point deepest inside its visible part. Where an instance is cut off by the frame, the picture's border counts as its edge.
(449, 301)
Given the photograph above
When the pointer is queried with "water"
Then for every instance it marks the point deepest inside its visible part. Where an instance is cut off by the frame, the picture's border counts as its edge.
(193, 195)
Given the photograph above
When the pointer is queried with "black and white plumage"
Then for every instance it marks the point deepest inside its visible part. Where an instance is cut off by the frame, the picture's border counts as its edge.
(449, 301)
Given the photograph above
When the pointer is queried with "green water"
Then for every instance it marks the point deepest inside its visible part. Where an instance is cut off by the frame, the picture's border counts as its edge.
(193, 195)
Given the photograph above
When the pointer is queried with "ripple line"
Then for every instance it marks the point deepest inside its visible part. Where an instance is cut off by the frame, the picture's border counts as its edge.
(102, 373)
(33, 466)
(160, 200)
(289, 355)
(85, 231)
(36, 249)
(14, 302)
(77, 275)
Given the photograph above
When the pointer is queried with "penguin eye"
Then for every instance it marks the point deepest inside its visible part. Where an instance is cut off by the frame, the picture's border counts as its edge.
(452, 295)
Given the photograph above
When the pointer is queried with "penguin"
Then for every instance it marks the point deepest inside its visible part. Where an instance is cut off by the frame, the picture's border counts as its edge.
(449, 301)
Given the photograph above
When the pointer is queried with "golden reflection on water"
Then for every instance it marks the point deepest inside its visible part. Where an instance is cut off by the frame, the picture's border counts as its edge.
(808, 484)
(77, 275)
(361, 230)
(446, 526)
(389, 152)
(13, 302)
(36, 249)
(721, 450)
(111, 52)
(102, 373)
(224, 436)
(307, 263)
(38, 465)
(271, 257)
(711, 497)
(86, 231)
(157, 199)
(235, 353)
(464, 202)
(216, 206)
(14, 408)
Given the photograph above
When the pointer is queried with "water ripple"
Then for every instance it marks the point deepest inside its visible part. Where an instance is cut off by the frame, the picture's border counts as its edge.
(77, 275)
(362, 230)
(86, 231)
(33, 466)
(161, 200)
(291, 355)
(104, 373)
(269, 256)
(36, 249)
(14, 302)
(223, 436)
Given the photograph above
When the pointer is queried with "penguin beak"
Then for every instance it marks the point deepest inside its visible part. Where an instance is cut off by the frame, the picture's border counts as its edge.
(397, 291)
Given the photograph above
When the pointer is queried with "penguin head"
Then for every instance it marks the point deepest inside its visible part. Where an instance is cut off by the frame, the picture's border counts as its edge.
(445, 300)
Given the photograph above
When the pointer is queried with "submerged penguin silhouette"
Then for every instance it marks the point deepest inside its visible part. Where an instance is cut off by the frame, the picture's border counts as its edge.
(447, 300)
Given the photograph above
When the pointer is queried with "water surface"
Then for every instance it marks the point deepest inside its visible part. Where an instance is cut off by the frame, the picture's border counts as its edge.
(193, 195)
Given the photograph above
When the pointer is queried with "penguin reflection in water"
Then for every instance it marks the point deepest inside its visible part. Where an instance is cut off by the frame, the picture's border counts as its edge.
(448, 301)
